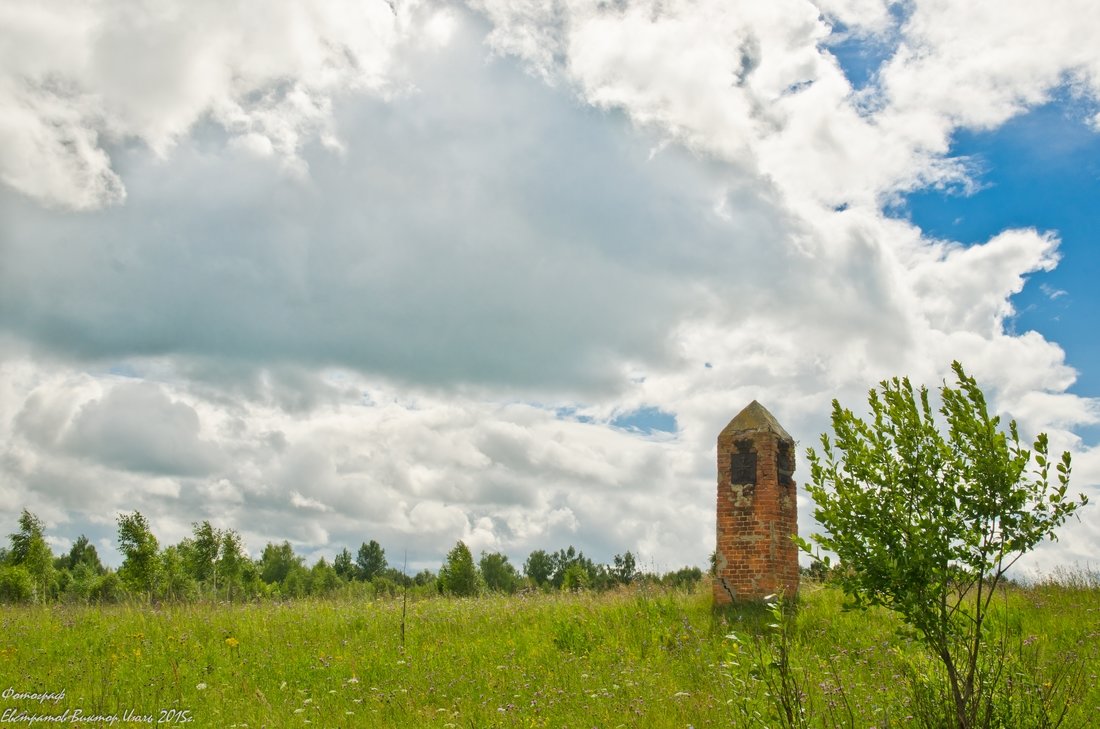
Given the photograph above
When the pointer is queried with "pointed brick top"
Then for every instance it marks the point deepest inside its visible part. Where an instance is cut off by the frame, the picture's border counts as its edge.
(755, 417)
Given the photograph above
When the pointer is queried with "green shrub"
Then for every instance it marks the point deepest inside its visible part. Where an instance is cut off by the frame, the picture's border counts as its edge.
(15, 584)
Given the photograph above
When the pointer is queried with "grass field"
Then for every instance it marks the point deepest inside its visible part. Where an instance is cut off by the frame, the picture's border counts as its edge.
(609, 660)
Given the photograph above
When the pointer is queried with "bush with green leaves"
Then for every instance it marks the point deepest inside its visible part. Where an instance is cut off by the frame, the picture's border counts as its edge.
(15, 584)
(927, 523)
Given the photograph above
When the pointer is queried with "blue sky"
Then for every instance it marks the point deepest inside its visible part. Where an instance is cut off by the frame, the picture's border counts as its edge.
(1041, 169)
(424, 271)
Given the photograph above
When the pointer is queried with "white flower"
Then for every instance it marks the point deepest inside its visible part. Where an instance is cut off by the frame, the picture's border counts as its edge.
(200, 686)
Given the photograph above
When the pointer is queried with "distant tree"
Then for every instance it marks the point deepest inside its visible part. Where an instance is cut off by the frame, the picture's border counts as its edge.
(344, 565)
(394, 575)
(424, 577)
(371, 560)
(296, 582)
(277, 561)
(575, 577)
(84, 552)
(817, 571)
(137, 543)
(458, 575)
(563, 559)
(683, 579)
(927, 522)
(202, 553)
(500, 575)
(231, 561)
(624, 569)
(539, 567)
(30, 551)
(174, 582)
(323, 578)
(83, 580)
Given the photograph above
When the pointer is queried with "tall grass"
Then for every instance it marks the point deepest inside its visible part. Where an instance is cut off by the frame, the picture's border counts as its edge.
(563, 660)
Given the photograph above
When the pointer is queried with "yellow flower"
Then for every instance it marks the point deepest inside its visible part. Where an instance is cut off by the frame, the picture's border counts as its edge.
(232, 642)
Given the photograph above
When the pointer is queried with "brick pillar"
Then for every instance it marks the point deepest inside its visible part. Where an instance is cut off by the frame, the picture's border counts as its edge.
(757, 509)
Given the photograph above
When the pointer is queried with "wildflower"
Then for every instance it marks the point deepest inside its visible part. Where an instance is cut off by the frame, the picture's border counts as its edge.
(200, 686)
(232, 642)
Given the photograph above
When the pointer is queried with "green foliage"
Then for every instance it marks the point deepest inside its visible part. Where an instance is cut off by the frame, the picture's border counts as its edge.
(458, 575)
(15, 584)
(498, 572)
(344, 565)
(424, 577)
(323, 579)
(296, 582)
(575, 578)
(685, 578)
(107, 588)
(231, 561)
(201, 553)
(174, 582)
(83, 552)
(137, 543)
(625, 569)
(539, 567)
(371, 560)
(30, 551)
(277, 562)
(771, 652)
(926, 524)
(563, 560)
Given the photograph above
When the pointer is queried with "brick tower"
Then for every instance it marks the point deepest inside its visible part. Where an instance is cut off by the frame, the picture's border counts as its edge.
(757, 509)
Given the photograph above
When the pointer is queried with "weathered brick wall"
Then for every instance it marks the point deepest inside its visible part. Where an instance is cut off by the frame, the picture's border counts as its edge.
(757, 511)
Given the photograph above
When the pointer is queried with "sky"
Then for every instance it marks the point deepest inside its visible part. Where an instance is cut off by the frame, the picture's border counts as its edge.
(500, 271)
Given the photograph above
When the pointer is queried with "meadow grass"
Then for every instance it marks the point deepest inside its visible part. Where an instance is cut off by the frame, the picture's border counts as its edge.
(632, 658)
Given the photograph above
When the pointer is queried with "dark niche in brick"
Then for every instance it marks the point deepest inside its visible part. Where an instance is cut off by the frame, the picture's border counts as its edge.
(785, 463)
(743, 463)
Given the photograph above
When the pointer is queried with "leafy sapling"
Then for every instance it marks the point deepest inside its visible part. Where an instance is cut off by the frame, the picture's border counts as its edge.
(927, 523)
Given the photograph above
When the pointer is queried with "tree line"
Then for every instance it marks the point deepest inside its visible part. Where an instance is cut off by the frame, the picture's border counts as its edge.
(211, 563)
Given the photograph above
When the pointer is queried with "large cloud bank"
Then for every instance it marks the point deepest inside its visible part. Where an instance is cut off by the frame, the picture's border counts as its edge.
(416, 271)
